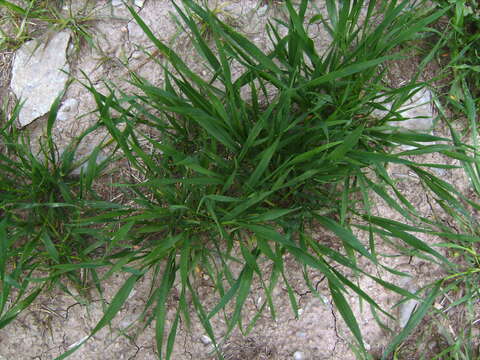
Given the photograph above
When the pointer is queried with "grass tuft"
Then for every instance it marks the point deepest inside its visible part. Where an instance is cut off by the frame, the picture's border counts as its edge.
(41, 198)
(246, 161)
(240, 171)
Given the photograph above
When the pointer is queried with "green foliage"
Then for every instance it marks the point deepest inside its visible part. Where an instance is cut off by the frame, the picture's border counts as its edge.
(463, 41)
(40, 200)
(459, 292)
(22, 23)
(244, 164)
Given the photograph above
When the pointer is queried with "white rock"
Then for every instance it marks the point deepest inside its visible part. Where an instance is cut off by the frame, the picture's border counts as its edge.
(205, 340)
(298, 355)
(37, 76)
(139, 3)
(62, 116)
(406, 309)
(68, 110)
(418, 112)
(136, 55)
(71, 49)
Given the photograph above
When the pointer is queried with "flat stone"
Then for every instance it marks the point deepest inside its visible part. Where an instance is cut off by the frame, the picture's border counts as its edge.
(406, 309)
(37, 76)
(417, 111)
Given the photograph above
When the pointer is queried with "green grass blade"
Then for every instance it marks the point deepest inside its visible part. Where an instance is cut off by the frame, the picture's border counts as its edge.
(414, 320)
(115, 305)
(345, 310)
(347, 71)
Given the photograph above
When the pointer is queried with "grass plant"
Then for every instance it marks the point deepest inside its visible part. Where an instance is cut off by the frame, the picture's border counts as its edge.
(19, 24)
(244, 165)
(456, 319)
(241, 174)
(463, 46)
(41, 198)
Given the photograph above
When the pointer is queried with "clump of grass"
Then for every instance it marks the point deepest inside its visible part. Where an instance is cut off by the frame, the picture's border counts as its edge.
(244, 165)
(463, 39)
(41, 198)
(19, 24)
(15, 23)
(239, 178)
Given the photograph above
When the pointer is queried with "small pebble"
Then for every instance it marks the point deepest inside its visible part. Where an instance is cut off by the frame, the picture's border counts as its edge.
(68, 109)
(205, 340)
(62, 116)
(298, 355)
(69, 105)
(136, 55)
(70, 49)
(406, 309)
(139, 3)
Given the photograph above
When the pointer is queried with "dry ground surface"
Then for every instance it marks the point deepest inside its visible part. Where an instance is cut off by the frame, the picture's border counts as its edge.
(56, 321)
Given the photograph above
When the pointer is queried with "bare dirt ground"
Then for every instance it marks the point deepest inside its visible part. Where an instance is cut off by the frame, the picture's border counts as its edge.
(57, 321)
